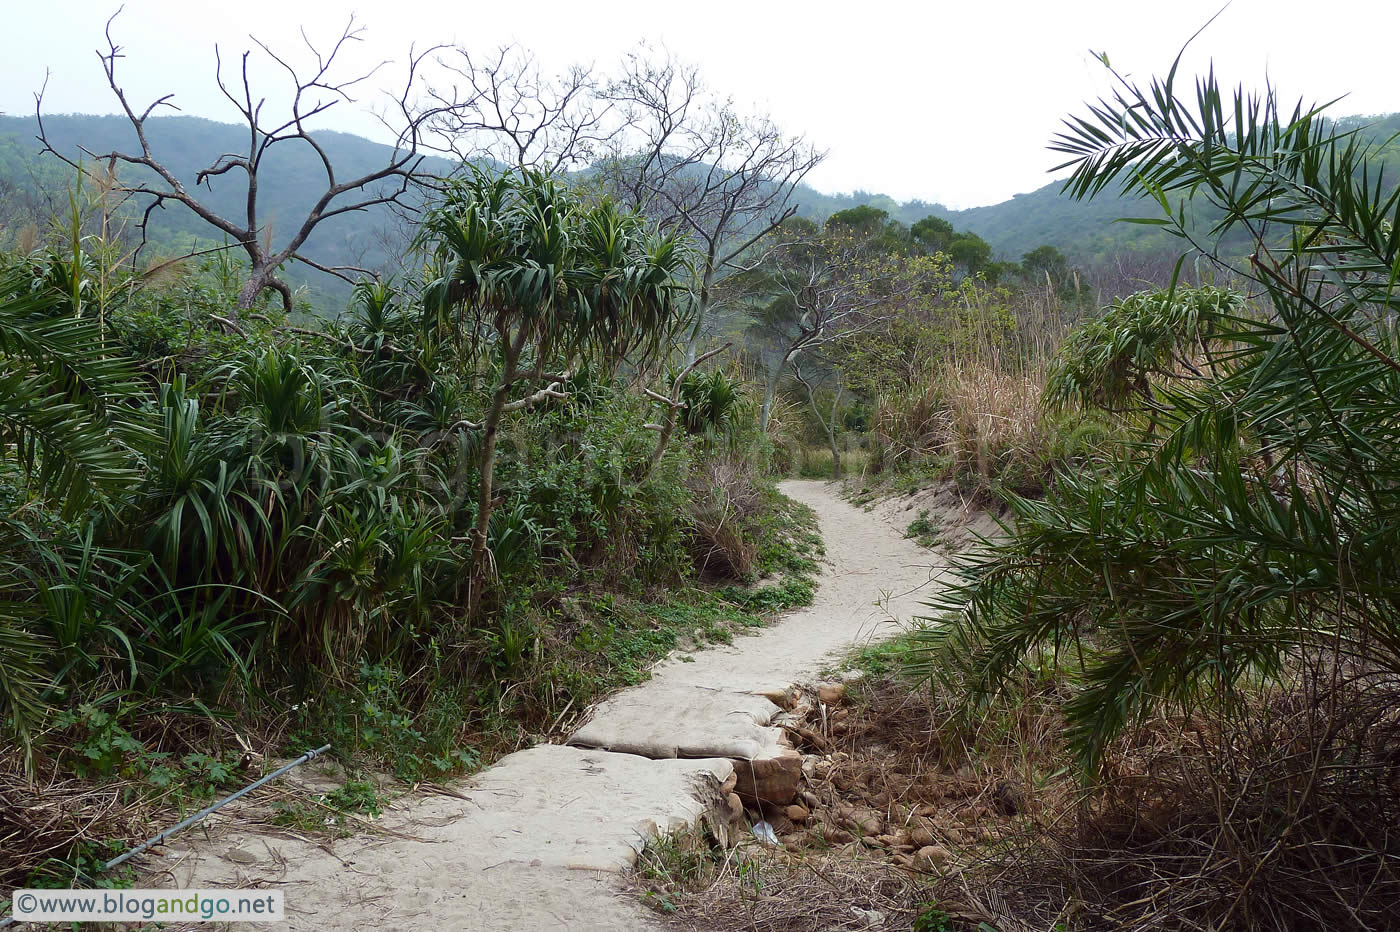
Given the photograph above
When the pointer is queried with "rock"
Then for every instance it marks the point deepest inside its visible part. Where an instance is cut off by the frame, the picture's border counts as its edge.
(898, 785)
(835, 836)
(867, 821)
(797, 814)
(832, 693)
(1008, 799)
(872, 918)
(930, 857)
(770, 779)
(240, 856)
(810, 800)
(921, 835)
(782, 698)
(735, 806)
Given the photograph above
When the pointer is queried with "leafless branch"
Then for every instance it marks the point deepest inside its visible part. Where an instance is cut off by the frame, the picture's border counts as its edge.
(311, 93)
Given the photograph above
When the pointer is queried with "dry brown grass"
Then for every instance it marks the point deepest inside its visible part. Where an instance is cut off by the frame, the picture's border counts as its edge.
(1282, 816)
(773, 890)
(727, 496)
(977, 419)
(995, 422)
(42, 826)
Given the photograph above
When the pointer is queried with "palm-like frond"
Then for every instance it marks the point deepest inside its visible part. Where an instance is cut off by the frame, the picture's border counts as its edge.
(64, 397)
(1263, 525)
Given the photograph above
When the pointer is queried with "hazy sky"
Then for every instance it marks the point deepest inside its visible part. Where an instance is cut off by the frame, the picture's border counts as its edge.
(945, 101)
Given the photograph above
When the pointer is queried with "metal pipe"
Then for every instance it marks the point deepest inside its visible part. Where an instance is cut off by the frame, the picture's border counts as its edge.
(309, 755)
(151, 842)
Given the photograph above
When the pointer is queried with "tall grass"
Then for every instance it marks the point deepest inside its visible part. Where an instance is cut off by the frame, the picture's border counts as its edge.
(974, 410)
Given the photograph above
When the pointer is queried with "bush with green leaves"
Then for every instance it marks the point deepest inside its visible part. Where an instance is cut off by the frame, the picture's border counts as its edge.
(1148, 337)
(251, 514)
(1259, 531)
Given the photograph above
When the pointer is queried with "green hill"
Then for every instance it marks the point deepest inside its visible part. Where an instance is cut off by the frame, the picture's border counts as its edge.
(1084, 231)
(33, 188)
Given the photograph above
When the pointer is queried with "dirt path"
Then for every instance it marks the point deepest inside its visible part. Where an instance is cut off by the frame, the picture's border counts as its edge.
(537, 841)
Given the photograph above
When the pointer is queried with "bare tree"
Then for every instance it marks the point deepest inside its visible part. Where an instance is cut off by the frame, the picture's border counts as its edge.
(818, 287)
(696, 163)
(811, 377)
(503, 108)
(313, 92)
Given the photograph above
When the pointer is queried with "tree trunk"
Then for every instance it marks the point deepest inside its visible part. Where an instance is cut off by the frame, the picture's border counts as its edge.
(828, 422)
(481, 554)
(702, 307)
(831, 434)
(248, 294)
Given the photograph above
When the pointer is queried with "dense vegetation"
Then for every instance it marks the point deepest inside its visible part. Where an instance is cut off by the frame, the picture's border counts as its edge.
(540, 451)
(415, 533)
(1213, 595)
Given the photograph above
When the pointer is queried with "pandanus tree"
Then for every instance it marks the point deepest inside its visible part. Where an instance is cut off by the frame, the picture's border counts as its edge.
(537, 283)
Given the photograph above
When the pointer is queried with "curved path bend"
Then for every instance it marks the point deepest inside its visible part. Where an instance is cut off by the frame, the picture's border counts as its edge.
(538, 840)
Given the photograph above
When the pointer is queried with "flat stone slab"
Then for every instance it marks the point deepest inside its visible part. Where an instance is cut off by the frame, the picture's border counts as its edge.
(664, 720)
(583, 809)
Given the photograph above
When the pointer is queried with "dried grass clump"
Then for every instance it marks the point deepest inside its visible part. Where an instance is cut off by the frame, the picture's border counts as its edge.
(727, 497)
(772, 890)
(42, 828)
(1286, 817)
(978, 419)
(995, 422)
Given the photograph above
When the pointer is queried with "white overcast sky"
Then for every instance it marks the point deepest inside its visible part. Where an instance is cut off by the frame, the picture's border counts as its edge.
(944, 101)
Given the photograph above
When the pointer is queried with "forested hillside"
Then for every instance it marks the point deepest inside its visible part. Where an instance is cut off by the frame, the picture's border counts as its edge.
(35, 187)
(1085, 231)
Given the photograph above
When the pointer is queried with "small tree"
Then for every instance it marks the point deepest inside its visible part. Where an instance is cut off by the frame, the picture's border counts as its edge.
(822, 287)
(698, 165)
(811, 378)
(543, 282)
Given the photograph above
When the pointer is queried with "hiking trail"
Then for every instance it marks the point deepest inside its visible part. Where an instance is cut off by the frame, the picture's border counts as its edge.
(539, 840)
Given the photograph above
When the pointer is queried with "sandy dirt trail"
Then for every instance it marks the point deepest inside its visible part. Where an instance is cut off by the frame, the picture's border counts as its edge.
(539, 840)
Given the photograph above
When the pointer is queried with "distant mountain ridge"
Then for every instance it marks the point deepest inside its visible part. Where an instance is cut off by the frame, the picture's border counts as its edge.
(30, 186)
